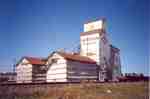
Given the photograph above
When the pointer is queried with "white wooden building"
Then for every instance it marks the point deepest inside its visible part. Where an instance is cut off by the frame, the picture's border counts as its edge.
(67, 67)
(31, 69)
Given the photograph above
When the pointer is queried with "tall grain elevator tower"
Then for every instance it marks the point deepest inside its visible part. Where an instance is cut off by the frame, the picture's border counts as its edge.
(95, 45)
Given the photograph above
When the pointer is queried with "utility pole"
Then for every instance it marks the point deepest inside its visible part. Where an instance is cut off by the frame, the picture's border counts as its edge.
(14, 65)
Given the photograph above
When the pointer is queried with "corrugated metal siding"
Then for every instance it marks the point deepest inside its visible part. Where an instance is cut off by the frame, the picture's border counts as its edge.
(77, 71)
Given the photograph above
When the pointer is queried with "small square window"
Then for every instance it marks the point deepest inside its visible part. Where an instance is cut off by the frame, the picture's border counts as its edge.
(83, 73)
(54, 60)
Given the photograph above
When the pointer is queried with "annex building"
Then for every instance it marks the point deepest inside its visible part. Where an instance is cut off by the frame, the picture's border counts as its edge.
(98, 60)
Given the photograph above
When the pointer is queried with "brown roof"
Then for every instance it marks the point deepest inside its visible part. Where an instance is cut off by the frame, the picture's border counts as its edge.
(35, 60)
(76, 57)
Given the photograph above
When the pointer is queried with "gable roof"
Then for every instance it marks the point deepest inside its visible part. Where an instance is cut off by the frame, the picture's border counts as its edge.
(33, 60)
(76, 57)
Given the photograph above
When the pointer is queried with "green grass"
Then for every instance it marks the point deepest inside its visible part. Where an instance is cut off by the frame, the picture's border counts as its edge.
(137, 90)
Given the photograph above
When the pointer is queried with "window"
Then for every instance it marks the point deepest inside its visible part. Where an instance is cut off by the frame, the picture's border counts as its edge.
(71, 72)
(42, 67)
(83, 73)
(54, 60)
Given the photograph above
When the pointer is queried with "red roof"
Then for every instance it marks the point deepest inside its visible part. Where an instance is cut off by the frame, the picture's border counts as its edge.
(76, 57)
(35, 60)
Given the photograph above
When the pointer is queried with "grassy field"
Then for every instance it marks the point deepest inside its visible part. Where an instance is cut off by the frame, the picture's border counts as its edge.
(136, 90)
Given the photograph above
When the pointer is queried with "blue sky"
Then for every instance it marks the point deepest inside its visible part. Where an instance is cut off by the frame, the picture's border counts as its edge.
(38, 27)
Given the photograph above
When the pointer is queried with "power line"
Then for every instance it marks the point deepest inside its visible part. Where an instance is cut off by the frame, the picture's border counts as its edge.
(75, 46)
